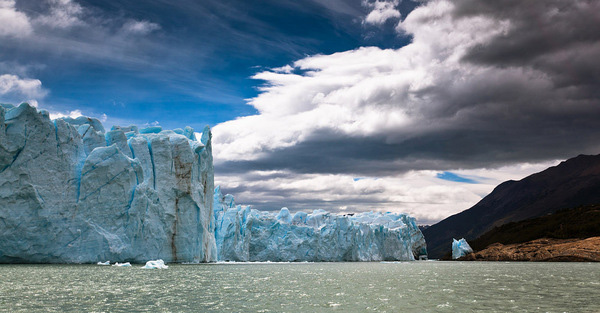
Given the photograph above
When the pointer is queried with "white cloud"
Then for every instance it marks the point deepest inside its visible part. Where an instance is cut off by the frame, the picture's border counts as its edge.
(71, 114)
(62, 14)
(69, 28)
(423, 100)
(33, 103)
(14, 88)
(368, 91)
(418, 193)
(12, 22)
(381, 11)
(140, 27)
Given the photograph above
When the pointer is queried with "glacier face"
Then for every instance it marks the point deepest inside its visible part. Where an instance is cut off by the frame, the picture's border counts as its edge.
(245, 234)
(460, 248)
(70, 192)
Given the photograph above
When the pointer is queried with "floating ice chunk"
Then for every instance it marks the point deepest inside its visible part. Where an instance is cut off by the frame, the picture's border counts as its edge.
(126, 264)
(155, 264)
(104, 263)
(460, 248)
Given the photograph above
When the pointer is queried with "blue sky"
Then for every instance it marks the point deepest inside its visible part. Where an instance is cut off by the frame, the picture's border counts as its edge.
(193, 63)
(415, 98)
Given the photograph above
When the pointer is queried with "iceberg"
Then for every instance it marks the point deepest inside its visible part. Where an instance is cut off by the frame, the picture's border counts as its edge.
(244, 234)
(71, 192)
(460, 248)
(158, 264)
(126, 264)
(103, 263)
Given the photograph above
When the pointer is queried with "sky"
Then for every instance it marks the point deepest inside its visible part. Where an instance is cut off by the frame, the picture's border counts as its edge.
(408, 106)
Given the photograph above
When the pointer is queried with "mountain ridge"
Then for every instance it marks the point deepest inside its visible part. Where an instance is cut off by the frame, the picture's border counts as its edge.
(572, 183)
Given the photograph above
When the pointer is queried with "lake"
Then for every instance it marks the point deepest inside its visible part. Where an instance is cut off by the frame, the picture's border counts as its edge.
(423, 286)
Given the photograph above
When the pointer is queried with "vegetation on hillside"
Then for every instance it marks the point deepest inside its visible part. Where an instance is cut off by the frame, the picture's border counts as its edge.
(580, 222)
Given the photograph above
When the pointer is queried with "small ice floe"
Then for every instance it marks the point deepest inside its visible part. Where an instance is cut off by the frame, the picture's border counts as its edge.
(104, 263)
(460, 248)
(155, 264)
(126, 264)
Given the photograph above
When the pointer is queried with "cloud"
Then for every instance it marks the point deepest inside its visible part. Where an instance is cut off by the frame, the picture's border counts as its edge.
(34, 103)
(66, 28)
(419, 193)
(62, 14)
(381, 11)
(140, 27)
(14, 23)
(422, 102)
(15, 89)
(71, 114)
(469, 92)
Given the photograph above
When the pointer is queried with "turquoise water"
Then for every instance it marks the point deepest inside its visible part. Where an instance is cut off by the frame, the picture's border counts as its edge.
(304, 287)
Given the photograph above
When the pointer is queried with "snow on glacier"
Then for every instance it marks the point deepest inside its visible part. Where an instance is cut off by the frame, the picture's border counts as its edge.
(244, 234)
(460, 248)
(70, 192)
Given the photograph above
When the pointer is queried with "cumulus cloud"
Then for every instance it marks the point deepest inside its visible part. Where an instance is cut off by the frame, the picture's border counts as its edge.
(381, 11)
(480, 86)
(13, 23)
(71, 114)
(14, 88)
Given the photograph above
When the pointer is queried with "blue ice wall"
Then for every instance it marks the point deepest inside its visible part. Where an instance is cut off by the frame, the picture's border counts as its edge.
(72, 193)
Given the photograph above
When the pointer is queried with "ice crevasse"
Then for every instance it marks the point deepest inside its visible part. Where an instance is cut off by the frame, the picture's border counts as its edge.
(70, 192)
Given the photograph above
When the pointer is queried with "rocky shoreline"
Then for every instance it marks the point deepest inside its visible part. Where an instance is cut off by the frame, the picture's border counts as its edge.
(541, 250)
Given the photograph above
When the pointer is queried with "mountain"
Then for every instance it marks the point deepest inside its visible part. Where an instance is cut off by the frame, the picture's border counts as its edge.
(572, 183)
(580, 222)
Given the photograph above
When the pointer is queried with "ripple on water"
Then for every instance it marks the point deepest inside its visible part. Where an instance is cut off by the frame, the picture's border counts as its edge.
(293, 287)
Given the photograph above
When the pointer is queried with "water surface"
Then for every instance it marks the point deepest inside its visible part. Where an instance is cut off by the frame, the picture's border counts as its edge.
(304, 287)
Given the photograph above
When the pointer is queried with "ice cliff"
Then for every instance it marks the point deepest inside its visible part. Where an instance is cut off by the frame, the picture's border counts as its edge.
(245, 234)
(460, 248)
(72, 193)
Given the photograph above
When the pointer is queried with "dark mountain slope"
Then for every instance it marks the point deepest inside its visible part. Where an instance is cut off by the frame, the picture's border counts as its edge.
(581, 222)
(572, 183)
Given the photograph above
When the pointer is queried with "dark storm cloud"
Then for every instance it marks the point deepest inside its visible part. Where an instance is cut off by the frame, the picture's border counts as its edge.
(560, 37)
(515, 139)
(528, 94)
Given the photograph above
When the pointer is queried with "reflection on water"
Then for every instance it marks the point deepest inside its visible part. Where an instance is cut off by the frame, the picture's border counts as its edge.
(304, 287)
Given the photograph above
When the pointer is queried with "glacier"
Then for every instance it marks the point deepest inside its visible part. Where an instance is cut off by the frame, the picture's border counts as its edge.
(71, 192)
(245, 234)
(460, 248)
